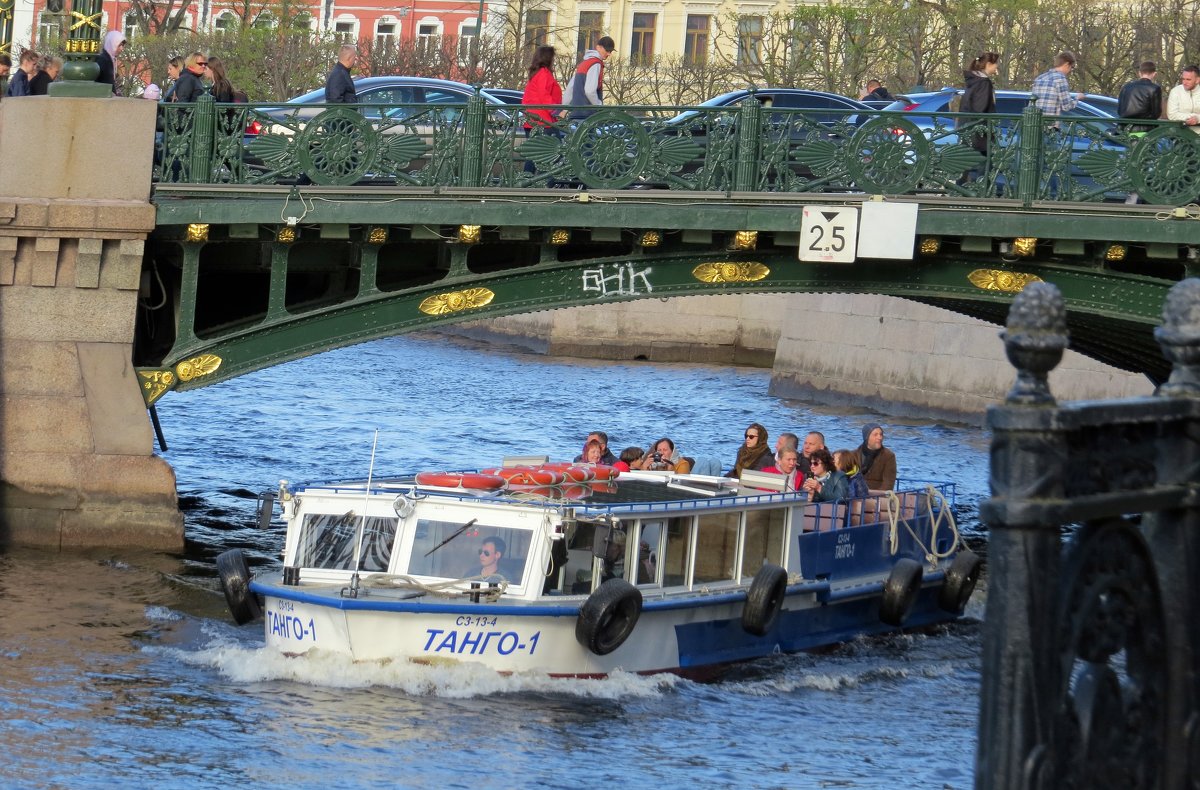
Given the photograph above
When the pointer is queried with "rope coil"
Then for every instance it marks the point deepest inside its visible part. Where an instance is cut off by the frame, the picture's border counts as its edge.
(932, 555)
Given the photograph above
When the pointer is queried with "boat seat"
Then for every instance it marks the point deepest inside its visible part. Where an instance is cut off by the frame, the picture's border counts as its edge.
(754, 482)
(824, 517)
(524, 460)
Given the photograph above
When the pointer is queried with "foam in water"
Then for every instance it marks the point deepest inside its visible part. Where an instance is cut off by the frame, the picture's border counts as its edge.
(244, 664)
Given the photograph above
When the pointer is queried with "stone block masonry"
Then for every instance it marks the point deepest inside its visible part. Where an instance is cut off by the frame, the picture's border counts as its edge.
(77, 467)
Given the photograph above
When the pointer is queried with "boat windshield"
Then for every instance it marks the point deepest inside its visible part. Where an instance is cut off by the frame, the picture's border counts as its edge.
(329, 541)
(481, 550)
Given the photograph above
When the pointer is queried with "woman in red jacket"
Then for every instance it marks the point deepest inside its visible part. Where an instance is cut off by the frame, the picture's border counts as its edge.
(542, 88)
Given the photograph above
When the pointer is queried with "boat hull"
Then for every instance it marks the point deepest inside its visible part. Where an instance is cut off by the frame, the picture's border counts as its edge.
(689, 635)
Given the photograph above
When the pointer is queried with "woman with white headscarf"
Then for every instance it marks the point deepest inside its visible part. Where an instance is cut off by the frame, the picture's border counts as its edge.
(114, 42)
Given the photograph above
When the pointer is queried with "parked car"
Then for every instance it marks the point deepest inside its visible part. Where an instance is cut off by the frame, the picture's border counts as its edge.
(837, 107)
(1094, 132)
(506, 95)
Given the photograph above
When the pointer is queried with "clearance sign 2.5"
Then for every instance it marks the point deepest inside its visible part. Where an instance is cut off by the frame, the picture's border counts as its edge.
(843, 234)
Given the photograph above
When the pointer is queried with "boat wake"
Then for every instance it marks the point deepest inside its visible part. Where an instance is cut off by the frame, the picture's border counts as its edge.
(244, 664)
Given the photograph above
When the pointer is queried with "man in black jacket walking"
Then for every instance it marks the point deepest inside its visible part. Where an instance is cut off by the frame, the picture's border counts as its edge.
(339, 86)
(1141, 98)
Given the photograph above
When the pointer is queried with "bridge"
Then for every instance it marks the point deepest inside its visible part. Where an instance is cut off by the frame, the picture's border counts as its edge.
(282, 232)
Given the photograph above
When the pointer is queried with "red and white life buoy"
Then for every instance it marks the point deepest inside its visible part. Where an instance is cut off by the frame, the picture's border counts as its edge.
(602, 472)
(483, 482)
(527, 475)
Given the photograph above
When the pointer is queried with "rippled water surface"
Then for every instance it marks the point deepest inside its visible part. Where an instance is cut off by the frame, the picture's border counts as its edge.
(120, 668)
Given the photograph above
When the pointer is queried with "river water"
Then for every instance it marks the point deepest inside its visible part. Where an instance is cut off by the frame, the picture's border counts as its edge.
(120, 668)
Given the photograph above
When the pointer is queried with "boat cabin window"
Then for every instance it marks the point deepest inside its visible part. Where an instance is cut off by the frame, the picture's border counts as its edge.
(444, 549)
(764, 539)
(329, 541)
(675, 557)
(716, 547)
(650, 549)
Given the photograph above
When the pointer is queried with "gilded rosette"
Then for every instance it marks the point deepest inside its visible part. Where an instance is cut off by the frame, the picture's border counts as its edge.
(196, 367)
(731, 272)
(456, 301)
(999, 280)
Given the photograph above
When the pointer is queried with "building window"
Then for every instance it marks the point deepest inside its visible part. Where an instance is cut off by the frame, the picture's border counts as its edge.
(385, 34)
(695, 45)
(537, 28)
(467, 38)
(302, 21)
(344, 31)
(264, 21)
(641, 48)
(226, 22)
(750, 35)
(130, 28)
(591, 28)
(49, 29)
(428, 33)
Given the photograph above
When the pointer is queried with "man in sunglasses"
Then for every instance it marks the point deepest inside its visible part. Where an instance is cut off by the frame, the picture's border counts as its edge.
(490, 554)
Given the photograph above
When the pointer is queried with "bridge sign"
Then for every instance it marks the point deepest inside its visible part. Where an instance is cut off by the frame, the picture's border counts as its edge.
(828, 234)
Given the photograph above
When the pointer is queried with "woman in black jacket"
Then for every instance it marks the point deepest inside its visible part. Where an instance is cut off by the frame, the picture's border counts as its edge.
(980, 96)
(114, 42)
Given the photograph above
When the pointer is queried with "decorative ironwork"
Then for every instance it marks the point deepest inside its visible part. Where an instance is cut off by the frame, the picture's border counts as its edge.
(469, 234)
(155, 384)
(197, 232)
(377, 235)
(1090, 655)
(456, 301)
(1001, 280)
(744, 240)
(197, 367)
(731, 272)
(741, 148)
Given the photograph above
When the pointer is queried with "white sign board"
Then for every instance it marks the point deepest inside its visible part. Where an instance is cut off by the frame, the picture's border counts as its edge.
(889, 230)
(828, 234)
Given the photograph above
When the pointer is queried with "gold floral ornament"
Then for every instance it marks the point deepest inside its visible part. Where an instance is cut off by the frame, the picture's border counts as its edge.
(196, 367)
(731, 272)
(456, 301)
(155, 383)
(1000, 280)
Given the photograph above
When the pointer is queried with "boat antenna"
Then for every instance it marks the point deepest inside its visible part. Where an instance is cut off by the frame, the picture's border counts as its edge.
(362, 522)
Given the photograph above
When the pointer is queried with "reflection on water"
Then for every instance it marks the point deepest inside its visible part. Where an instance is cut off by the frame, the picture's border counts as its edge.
(124, 667)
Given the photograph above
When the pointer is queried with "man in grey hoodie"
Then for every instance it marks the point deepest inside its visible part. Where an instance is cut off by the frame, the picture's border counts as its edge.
(586, 87)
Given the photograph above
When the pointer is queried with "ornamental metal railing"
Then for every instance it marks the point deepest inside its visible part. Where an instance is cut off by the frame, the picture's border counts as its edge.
(743, 148)
(1091, 662)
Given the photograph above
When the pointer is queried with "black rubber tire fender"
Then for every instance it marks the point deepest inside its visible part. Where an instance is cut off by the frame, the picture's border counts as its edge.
(900, 591)
(235, 581)
(764, 600)
(960, 581)
(608, 616)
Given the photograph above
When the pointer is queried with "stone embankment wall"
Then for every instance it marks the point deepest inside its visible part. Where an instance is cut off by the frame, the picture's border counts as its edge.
(76, 448)
(860, 350)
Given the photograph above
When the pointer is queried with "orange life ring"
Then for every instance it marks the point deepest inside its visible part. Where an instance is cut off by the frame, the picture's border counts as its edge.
(603, 472)
(579, 473)
(460, 480)
(527, 475)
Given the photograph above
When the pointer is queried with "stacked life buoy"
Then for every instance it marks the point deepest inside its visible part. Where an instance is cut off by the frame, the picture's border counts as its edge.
(472, 480)
(527, 475)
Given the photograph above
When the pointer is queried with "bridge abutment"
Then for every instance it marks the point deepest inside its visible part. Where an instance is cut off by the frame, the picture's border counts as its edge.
(76, 449)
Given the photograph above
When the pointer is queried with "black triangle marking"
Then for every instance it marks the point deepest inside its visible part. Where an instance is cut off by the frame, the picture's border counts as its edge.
(830, 216)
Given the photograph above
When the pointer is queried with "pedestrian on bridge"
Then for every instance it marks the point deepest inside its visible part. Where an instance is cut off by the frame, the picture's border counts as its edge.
(1051, 90)
(339, 85)
(1140, 98)
(586, 87)
(979, 96)
(1183, 102)
(26, 69)
(542, 88)
(114, 44)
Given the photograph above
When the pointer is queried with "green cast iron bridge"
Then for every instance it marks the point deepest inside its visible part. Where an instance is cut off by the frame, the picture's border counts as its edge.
(283, 232)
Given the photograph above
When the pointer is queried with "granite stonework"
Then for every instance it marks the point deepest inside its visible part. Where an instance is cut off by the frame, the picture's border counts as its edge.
(876, 352)
(77, 467)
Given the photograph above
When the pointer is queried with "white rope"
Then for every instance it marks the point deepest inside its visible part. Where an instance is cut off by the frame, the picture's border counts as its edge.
(449, 588)
(932, 555)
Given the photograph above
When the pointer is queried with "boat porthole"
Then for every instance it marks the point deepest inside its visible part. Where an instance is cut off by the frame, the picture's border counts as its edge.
(960, 582)
(235, 581)
(764, 600)
(900, 591)
(608, 616)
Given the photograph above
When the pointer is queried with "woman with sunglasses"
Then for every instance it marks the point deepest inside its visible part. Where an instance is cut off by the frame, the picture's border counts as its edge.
(189, 87)
(826, 483)
(755, 453)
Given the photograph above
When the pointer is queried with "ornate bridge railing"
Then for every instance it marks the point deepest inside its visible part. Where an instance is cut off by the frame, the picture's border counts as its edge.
(746, 148)
(1091, 671)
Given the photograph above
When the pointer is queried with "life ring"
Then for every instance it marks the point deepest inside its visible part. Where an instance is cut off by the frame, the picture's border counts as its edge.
(900, 591)
(602, 472)
(608, 616)
(764, 600)
(235, 581)
(527, 475)
(960, 581)
(572, 473)
(460, 480)
(576, 491)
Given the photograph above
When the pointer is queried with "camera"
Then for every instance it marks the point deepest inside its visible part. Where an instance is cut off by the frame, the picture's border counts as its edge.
(657, 457)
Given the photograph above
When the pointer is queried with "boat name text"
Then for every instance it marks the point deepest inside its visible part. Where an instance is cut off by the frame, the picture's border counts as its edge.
(478, 643)
(288, 625)
(844, 548)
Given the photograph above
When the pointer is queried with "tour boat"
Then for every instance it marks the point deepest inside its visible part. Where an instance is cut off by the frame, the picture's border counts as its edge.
(576, 570)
